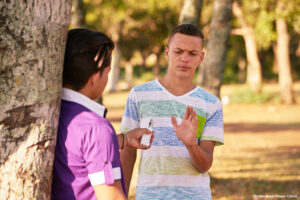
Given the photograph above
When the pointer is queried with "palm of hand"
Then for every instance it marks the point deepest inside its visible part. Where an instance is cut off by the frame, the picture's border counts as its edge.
(187, 130)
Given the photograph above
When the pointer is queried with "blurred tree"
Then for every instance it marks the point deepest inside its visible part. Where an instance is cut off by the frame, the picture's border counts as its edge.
(212, 68)
(110, 20)
(153, 23)
(254, 73)
(78, 21)
(142, 26)
(32, 44)
(77, 14)
(191, 12)
(284, 65)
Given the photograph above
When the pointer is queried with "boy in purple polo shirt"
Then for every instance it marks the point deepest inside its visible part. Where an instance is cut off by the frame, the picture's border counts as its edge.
(87, 160)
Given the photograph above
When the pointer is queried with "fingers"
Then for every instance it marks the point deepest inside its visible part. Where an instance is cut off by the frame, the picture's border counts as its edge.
(187, 112)
(196, 121)
(147, 131)
(174, 122)
(190, 113)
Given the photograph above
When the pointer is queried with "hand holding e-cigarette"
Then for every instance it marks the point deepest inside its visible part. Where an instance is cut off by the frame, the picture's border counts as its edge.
(145, 141)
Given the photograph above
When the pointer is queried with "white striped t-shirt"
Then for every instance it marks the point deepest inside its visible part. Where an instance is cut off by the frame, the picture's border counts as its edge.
(166, 170)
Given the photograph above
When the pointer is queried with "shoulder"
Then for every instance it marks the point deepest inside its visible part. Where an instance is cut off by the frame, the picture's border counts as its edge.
(87, 120)
(205, 96)
(148, 86)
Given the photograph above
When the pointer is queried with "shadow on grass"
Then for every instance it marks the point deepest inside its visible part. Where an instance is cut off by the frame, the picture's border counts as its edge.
(260, 128)
(245, 188)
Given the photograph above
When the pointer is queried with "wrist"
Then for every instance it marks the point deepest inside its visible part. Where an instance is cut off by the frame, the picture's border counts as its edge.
(122, 142)
(191, 144)
(126, 137)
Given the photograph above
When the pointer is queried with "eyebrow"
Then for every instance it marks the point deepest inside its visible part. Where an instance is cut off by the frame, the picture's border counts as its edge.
(193, 51)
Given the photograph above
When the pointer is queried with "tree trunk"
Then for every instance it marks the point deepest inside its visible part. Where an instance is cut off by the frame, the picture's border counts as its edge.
(275, 60)
(156, 68)
(213, 65)
(77, 14)
(32, 45)
(242, 70)
(129, 74)
(284, 65)
(254, 74)
(190, 12)
(115, 69)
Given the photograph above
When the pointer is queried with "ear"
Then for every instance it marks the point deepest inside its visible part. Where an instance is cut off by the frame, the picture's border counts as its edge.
(167, 52)
(201, 57)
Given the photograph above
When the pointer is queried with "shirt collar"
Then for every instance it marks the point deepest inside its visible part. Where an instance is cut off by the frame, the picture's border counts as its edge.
(73, 96)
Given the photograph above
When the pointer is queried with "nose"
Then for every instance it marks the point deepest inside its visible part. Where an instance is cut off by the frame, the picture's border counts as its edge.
(184, 57)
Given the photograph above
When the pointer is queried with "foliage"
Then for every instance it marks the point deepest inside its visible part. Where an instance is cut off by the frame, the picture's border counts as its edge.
(144, 26)
(260, 15)
(234, 53)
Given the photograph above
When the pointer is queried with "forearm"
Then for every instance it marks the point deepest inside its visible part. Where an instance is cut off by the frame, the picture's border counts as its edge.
(201, 159)
(128, 158)
(110, 192)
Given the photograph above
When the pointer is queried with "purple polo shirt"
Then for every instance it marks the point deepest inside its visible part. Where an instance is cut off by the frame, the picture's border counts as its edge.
(87, 149)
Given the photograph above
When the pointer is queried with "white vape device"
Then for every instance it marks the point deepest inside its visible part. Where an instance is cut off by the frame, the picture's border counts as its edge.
(146, 137)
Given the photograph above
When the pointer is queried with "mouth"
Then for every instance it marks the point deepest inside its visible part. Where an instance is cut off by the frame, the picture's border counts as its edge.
(184, 68)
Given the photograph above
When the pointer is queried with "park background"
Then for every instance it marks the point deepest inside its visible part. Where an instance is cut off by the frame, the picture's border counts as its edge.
(252, 64)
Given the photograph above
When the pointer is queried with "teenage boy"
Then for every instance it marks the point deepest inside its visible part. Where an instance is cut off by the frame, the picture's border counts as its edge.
(188, 123)
(87, 160)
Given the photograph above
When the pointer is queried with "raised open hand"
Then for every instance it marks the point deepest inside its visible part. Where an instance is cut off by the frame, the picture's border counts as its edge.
(187, 130)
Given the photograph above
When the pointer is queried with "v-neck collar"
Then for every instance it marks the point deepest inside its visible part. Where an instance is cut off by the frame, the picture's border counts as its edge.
(172, 95)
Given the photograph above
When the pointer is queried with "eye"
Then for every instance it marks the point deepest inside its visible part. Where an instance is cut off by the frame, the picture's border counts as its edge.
(178, 52)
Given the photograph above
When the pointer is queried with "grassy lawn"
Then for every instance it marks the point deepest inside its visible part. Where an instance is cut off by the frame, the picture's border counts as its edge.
(261, 155)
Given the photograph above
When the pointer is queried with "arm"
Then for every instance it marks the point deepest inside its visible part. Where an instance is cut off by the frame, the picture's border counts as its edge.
(110, 192)
(132, 138)
(128, 153)
(128, 158)
(202, 155)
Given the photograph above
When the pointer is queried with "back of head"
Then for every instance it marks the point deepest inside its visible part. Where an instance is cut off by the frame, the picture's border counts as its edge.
(186, 29)
(87, 52)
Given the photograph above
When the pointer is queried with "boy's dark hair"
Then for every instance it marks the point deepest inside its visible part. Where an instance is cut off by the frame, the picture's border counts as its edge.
(186, 29)
(87, 52)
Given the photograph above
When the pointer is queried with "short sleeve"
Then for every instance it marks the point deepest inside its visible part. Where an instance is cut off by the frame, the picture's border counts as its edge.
(101, 154)
(130, 119)
(214, 126)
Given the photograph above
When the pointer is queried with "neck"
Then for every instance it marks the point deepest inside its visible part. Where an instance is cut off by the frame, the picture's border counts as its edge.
(177, 86)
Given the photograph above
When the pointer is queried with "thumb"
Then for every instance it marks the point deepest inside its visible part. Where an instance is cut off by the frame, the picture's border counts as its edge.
(174, 122)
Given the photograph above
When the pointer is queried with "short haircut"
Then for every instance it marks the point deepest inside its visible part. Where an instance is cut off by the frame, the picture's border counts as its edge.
(87, 52)
(186, 29)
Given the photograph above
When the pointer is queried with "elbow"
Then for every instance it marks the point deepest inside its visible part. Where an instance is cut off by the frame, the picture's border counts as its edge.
(204, 168)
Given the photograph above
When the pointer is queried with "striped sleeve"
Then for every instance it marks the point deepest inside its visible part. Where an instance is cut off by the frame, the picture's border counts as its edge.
(214, 126)
(131, 118)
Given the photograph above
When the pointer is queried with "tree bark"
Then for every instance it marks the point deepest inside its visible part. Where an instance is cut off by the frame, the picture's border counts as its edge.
(32, 45)
(284, 65)
(190, 12)
(254, 74)
(213, 66)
